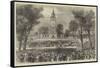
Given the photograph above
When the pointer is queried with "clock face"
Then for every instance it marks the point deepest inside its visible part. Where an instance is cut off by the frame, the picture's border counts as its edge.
(53, 23)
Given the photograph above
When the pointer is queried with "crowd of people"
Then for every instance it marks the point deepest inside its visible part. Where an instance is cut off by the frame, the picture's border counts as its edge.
(52, 56)
(41, 56)
(59, 53)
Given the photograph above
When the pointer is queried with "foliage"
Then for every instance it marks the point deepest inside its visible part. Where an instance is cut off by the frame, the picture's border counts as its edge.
(67, 33)
(59, 30)
(26, 17)
(86, 21)
(73, 26)
(44, 30)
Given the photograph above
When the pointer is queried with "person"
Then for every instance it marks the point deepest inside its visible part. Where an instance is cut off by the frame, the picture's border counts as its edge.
(21, 57)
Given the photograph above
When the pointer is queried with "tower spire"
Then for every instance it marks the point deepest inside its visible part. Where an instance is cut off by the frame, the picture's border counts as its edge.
(53, 24)
(53, 14)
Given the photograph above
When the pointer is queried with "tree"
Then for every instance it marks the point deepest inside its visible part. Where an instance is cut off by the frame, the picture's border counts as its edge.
(73, 26)
(80, 17)
(86, 21)
(67, 32)
(20, 20)
(90, 20)
(26, 17)
(59, 30)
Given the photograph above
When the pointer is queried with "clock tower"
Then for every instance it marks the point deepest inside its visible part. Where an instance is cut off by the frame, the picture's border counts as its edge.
(53, 24)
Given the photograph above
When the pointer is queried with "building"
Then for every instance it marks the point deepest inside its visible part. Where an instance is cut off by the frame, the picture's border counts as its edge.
(52, 29)
(49, 31)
